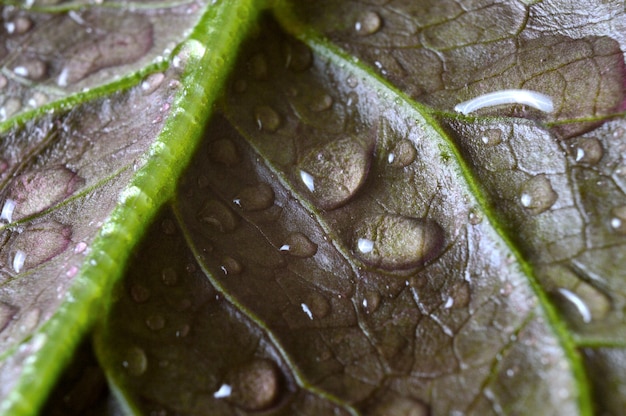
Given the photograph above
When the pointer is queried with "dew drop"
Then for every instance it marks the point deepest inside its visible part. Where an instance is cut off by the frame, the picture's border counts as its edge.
(169, 277)
(18, 261)
(152, 82)
(18, 26)
(576, 303)
(255, 198)
(33, 69)
(7, 313)
(298, 56)
(537, 195)
(398, 242)
(7, 210)
(352, 81)
(224, 151)
(404, 154)
(399, 406)
(299, 245)
(217, 215)
(368, 23)
(266, 118)
(258, 67)
(40, 243)
(475, 216)
(318, 305)
(491, 137)
(337, 171)
(254, 386)
(135, 361)
(230, 266)
(9, 108)
(155, 322)
(139, 293)
(618, 219)
(371, 301)
(37, 100)
(587, 150)
(321, 103)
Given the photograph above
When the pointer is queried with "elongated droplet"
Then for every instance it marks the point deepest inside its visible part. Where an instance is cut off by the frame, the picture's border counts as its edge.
(152, 82)
(537, 195)
(395, 242)
(255, 198)
(334, 173)
(299, 245)
(7, 210)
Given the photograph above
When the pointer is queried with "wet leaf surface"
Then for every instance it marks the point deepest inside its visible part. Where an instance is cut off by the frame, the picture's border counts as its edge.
(343, 240)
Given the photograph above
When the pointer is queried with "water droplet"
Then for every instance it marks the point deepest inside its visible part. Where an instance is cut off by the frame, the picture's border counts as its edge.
(587, 150)
(9, 108)
(7, 312)
(225, 390)
(18, 26)
(71, 272)
(334, 173)
(398, 242)
(537, 195)
(317, 305)
(152, 82)
(33, 69)
(224, 151)
(139, 293)
(266, 118)
(155, 322)
(399, 406)
(371, 300)
(254, 386)
(7, 210)
(230, 266)
(618, 219)
(321, 103)
(183, 331)
(475, 216)
(217, 215)
(460, 294)
(40, 243)
(491, 137)
(365, 245)
(255, 198)
(449, 302)
(352, 81)
(368, 23)
(135, 361)
(404, 154)
(299, 245)
(576, 303)
(258, 67)
(298, 56)
(169, 277)
(37, 99)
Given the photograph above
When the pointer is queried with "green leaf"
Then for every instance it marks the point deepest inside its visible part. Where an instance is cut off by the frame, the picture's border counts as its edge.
(341, 241)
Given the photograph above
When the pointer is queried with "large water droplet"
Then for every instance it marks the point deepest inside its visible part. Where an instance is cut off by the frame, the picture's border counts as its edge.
(537, 195)
(298, 56)
(266, 118)
(368, 23)
(7, 312)
(618, 219)
(403, 154)
(335, 172)
(587, 150)
(397, 242)
(224, 151)
(217, 215)
(254, 386)
(255, 198)
(299, 245)
(135, 361)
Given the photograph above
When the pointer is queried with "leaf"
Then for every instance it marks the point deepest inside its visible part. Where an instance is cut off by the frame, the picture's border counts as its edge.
(342, 241)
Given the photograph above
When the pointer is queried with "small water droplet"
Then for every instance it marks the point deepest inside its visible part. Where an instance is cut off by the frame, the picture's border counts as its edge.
(139, 293)
(587, 150)
(352, 81)
(135, 361)
(299, 245)
(334, 173)
(449, 302)
(217, 215)
(7, 210)
(224, 151)
(491, 137)
(255, 198)
(33, 69)
(368, 23)
(460, 294)
(71, 272)
(152, 82)
(266, 118)
(618, 219)
(404, 154)
(577, 303)
(230, 266)
(321, 103)
(537, 195)
(169, 277)
(37, 99)
(9, 108)
(7, 312)
(258, 67)
(398, 242)
(18, 26)
(475, 216)
(254, 386)
(19, 258)
(317, 305)
(298, 56)
(371, 301)
(155, 322)
(183, 331)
